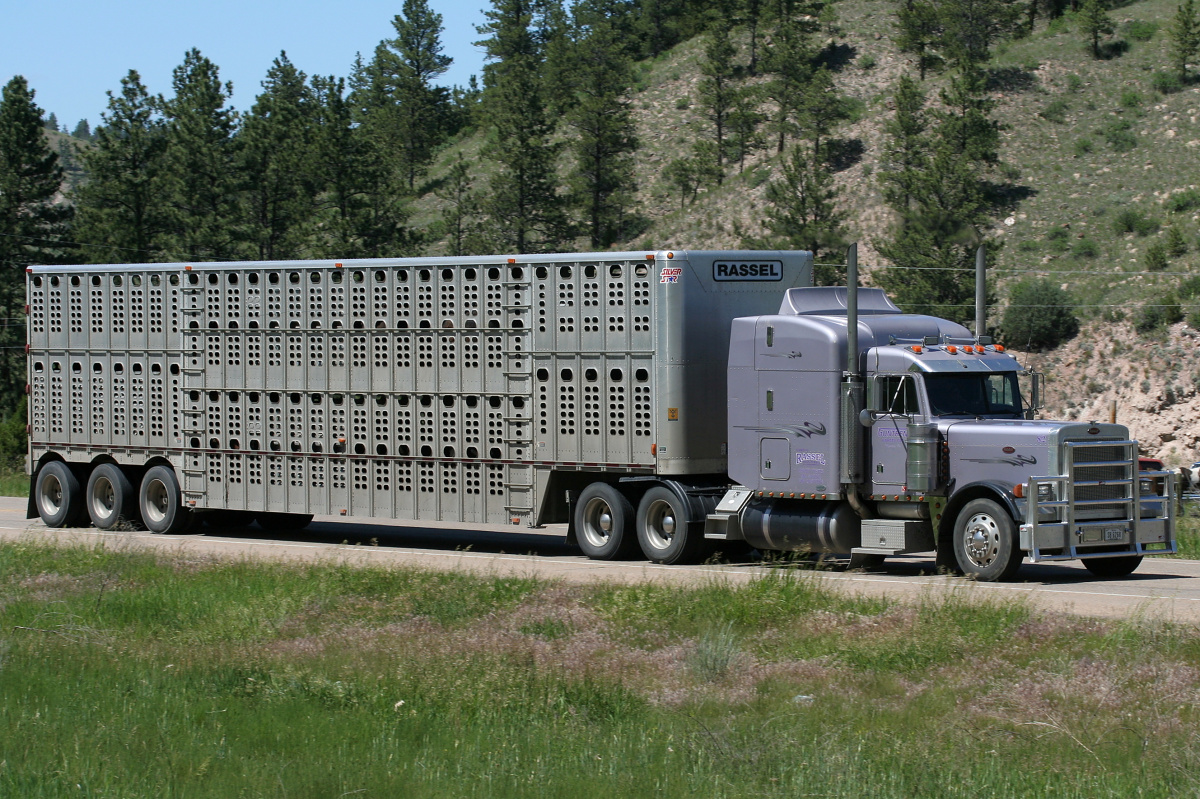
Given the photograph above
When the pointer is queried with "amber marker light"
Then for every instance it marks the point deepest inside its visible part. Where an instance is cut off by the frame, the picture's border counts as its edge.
(916, 348)
(952, 349)
(1019, 491)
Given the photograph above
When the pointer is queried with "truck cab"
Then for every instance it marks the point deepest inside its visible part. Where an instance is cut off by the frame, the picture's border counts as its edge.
(944, 455)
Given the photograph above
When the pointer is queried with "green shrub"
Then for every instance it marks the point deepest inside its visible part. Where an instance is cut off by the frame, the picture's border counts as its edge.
(682, 103)
(1158, 313)
(1055, 111)
(1140, 30)
(1183, 201)
(1156, 257)
(1039, 315)
(1166, 82)
(1120, 136)
(1131, 220)
(1086, 248)
(1074, 82)
(866, 62)
(1131, 99)
(1176, 245)
(1083, 146)
(1189, 288)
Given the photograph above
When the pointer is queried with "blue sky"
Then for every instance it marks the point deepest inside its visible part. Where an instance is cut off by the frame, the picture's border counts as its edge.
(72, 51)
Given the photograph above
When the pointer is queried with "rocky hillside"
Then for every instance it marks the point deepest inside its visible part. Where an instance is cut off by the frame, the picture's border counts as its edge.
(1103, 169)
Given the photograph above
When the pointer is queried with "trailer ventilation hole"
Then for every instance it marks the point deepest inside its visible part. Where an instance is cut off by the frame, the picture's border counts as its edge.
(381, 449)
(518, 402)
(518, 273)
(494, 402)
(493, 274)
(336, 277)
(37, 282)
(380, 276)
(251, 278)
(275, 447)
(448, 452)
(564, 272)
(543, 375)
(566, 375)
(293, 277)
(470, 274)
(295, 445)
(214, 443)
(97, 368)
(472, 402)
(403, 450)
(234, 444)
(616, 271)
(641, 375)
(174, 368)
(591, 375)
(616, 375)
(194, 396)
(589, 271)
(495, 453)
(234, 396)
(273, 397)
(493, 323)
(255, 444)
(213, 278)
(273, 278)
(315, 399)
(541, 273)
(426, 401)
(316, 446)
(472, 452)
(426, 451)
(360, 449)
(194, 443)
(253, 396)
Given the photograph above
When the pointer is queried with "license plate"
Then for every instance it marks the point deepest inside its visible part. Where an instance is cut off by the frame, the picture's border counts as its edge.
(1114, 533)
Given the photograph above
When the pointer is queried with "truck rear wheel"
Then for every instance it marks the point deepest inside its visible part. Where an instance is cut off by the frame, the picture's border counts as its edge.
(664, 528)
(111, 497)
(1113, 567)
(603, 522)
(161, 501)
(985, 542)
(58, 495)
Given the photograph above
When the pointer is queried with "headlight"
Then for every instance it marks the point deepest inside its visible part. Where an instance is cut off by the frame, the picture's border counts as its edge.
(1149, 486)
(1045, 492)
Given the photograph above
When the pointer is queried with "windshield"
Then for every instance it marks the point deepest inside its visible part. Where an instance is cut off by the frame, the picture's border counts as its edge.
(974, 395)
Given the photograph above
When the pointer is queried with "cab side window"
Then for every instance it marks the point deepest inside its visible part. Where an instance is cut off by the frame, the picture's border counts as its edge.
(896, 394)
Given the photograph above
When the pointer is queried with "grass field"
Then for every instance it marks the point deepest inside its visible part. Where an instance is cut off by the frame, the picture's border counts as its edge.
(130, 674)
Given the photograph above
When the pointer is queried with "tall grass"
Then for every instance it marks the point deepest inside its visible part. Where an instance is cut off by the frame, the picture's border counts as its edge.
(130, 674)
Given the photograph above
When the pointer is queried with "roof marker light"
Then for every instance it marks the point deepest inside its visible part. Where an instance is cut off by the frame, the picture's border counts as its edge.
(950, 348)
(916, 348)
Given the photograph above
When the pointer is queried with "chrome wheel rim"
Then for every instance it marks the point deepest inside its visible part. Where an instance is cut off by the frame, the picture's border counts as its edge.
(51, 495)
(597, 522)
(981, 540)
(158, 501)
(103, 499)
(660, 524)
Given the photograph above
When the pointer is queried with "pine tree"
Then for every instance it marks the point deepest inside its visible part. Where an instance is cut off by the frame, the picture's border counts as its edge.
(122, 207)
(460, 214)
(905, 155)
(52, 122)
(1095, 22)
(920, 32)
(202, 192)
(277, 164)
(361, 208)
(820, 108)
(82, 131)
(971, 27)
(937, 186)
(789, 61)
(33, 222)
(1185, 38)
(525, 208)
(408, 109)
(802, 210)
(602, 180)
(718, 92)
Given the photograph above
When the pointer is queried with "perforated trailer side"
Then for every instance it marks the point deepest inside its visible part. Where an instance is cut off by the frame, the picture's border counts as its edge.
(470, 389)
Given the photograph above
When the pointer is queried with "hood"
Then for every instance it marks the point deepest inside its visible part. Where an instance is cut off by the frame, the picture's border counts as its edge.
(1013, 450)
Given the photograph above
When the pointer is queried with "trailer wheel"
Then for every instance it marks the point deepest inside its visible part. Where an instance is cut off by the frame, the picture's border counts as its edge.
(111, 498)
(1112, 567)
(161, 502)
(279, 522)
(664, 528)
(58, 495)
(985, 542)
(603, 520)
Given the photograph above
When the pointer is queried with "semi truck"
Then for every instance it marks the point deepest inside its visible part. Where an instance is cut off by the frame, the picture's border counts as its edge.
(666, 401)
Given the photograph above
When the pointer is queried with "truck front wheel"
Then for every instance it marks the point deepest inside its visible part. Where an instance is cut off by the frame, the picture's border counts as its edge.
(664, 528)
(603, 521)
(985, 542)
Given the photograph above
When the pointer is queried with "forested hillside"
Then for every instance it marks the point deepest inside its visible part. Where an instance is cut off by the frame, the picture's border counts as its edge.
(1061, 135)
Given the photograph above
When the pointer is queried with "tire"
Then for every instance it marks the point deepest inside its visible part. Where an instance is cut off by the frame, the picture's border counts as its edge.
(58, 496)
(225, 519)
(1112, 567)
(161, 502)
(280, 522)
(665, 531)
(604, 521)
(985, 542)
(111, 498)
